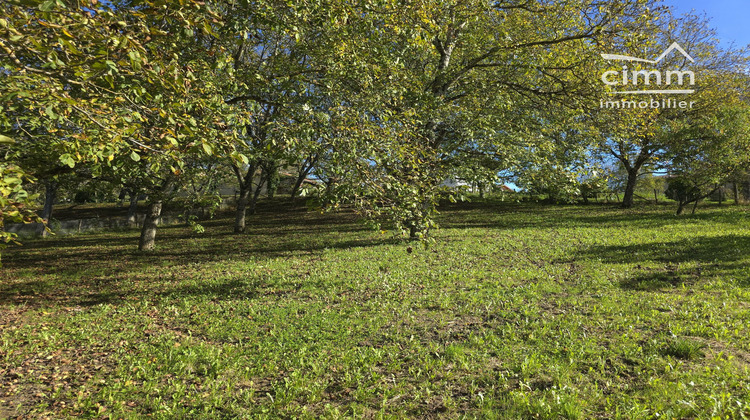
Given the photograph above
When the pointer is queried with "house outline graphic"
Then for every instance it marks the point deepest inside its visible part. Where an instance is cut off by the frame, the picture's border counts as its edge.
(619, 57)
(674, 46)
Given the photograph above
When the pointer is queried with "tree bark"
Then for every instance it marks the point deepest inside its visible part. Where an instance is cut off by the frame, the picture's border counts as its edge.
(239, 219)
(632, 169)
(150, 223)
(736, 192)
(272, 178)
(256, 194)
(307, 166)
(133, 210)
(121, 197)
(413, 231)
(627, 199)
(245, 181)
(680, 207)
(297, 185)
(50, 195)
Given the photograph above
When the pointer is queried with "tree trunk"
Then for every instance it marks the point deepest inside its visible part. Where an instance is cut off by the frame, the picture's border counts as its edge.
(150, 223)
(254, 200)
(121, 197)
(272, 179)
(680, 207)
(304, 170)
(239, 220)
(656, 196)
(245, 181)
(695, 205)
(133, 210)
(413, 231)
(627, 199)
(297, 185)
(50, 195)
(736, 192)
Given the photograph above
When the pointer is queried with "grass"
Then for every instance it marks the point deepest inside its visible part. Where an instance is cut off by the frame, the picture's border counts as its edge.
(517, 311)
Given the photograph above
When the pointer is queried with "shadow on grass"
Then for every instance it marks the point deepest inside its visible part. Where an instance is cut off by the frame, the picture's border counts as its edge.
(718, 256)
(38, 294)
(106, 267)
(267, 234)
(108, 276)
(503, 215)
(659, 279)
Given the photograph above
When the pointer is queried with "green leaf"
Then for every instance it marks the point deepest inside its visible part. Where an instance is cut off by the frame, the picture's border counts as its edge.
(6, 140)
(12, 180)
(135, 60)
(47, 6)
(50, 112)
(135, 156)
(67, 159)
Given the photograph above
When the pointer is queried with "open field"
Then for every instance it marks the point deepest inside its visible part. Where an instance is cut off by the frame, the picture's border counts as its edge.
(516, 311)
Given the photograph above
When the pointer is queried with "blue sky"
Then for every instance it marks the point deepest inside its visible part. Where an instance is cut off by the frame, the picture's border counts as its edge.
(730, 18)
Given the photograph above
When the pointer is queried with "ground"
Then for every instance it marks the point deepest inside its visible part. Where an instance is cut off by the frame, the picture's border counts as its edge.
(515, 311)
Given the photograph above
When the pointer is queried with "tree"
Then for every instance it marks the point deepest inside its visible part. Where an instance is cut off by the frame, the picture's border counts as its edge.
(558, 161)
(638, 137)
(278, 59)
(123, 79)
(649, 184)
(425, 80)
(712, 149)
(15, 201)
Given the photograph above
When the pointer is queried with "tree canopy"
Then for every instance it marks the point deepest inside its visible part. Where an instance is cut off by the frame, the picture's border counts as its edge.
(382, 100)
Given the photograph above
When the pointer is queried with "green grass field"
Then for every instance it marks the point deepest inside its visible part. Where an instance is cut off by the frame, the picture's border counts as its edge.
(516, 311)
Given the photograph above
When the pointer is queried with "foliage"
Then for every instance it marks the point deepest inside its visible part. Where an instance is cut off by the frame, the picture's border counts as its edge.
(641, 138)
(713, 148)
(126, 88)
(682, 190)
(649, 184)
(99, 79)
(560, 185)
(429, 83)
(559, 164)
(593, 185)
(15, 202)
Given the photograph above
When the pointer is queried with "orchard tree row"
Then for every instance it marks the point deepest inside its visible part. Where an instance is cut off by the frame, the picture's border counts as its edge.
(382, 100)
